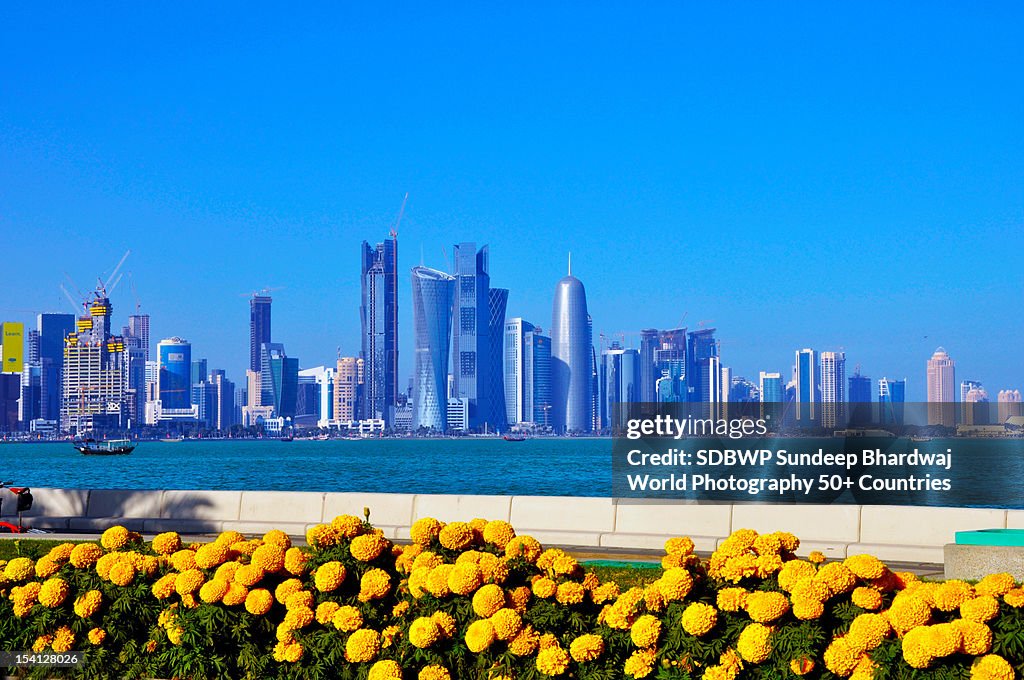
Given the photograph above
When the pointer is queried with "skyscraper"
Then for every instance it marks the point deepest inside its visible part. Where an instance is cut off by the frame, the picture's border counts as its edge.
(378, 315)
(53, 329)
(572, 358)
(891, 398)
(833, 389)
(977, 407)
(517, 332)
(620, 380)
(432, 297)
(93, 379)
(12, 347)
(495, 416)
(223, 416)
(701, 349)
(138, 327)
(1009, 405)
(859, 399)
(349, 386)
(941, 385)
(649, 373)
(279, 379)
(807, 395)
(965, 387)
(174, 356)
(259, 327)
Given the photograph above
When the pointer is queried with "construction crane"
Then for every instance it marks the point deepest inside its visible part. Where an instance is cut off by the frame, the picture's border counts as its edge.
(267, 290)
(111, 282)
(135, 293)
(394, 229)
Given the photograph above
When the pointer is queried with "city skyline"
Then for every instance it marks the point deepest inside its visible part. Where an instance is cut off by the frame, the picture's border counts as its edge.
(690, 171)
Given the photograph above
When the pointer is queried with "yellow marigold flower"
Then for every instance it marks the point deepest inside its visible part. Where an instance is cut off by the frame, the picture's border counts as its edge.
(548, 640)
(188, 581)
(865, 668)
(286, 589)
(544, 588)
(494, 569)
(437, 580)
(811, 589)
(369, 547)
(766, 606)
(480, 635)
(1014, 597)
(603, 593)
(424, 632)
(115, 538)
(248, 575)
(259, 601)
(96, 636)
(427, 559)
(975, 638)
(456, 536)
(807, 609)
(499, 533)
(325, 612)
(766, 565)
(865, 566)
(19, 569)
(88, 603)
(731, 599)
(41, 643)
(210, 555)
(298, 618)
(552, 661)
(235, 595)
(801, 666)
(943, 639)
(738, 567)
(164, 587)
(794, 571)
(388, 636)
(867, 631)
(425, 530)
(586, 648)
(61, 553)
(269, 558)
(915, 649)
(840, 658)
(908, 611)
(675, 584)
(106, 563)
(488, 599)
(300, 598)
(682, 545)
(295, 561)
(995, 584)
(278, 538)
(229, 538)
(362, 646)
(645, 631)
(348, 526)
(184, 559)
(699, 618)
(53, 592)
(385, 670)
(46, 567)
(464, 578)
(547, 558)
(566, 565)
(866, 597)
(640, 663)
(991, 667)
(526, 547)
(213, 591)
(507, 623)
(767, 544)
(570, 592)
(837, 577)
(754, 643)
(63, 640)
(445, 622)
(226, 571)
(525, 643)
(347, 618)
(949, 595)
(374, 585)
(322, 536)
(83, 556)
(293, 652)
(329, 576)
(434, 672)
(816, 557)
(981, 609)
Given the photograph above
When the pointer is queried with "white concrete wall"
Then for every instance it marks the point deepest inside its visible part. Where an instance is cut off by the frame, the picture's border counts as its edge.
(891, 532)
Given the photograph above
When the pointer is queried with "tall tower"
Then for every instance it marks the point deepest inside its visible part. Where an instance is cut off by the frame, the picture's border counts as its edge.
(941, 386)
(572, 358)
(174, 356)
(259, 327)
(648, 369)
(93, 379)
(138, 327)
(807, 394)
(432, 296)
(378, 313)
(833, 388)
(53, 329)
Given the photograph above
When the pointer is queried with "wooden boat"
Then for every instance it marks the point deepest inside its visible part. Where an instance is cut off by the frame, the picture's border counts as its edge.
(110, 447)
(514, 438)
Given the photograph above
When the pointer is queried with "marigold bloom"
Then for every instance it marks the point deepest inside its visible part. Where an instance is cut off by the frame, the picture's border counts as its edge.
(981, 609)
(434, 672)
(229, 538)
(186, 582)
(164, 587)
(184, 559)
(115, 538)
(907, 612)
(570, 592)
(507, 623)
(480, 635)
(325, 612)
(322, 536)
(526, 547)
(645, 631)
(995, 584)
(211, 555)
(235, 595)
(425, 530)
(96, 636)
(586, 648)
(991, 667)
(866, 597)
(445, 622)
(362, 646)
(544, 588)
(915, 649)
(278, 538)
(865, 566)
(300, 598)
(385, 669)
(269, 557)
(498, 533)
(213, 591)
(552, 661)
(682, 545)
(369, 547)
(867, 631)
(329, 576)
(754, 643)
(295, 561)
(19, 569)
(840, 658)
(456, 536)
(248, 575)
(374, 585)
(793, 572)
(464, 578)
(731, 599)
(975, 638)
(699, 618)
(46, 567)
(807, 609)
(53, 592)
(63, 640)
(424, 632)
(766, 606)
(286, 589)
(347, 618)
(640, 663)
(88, 603)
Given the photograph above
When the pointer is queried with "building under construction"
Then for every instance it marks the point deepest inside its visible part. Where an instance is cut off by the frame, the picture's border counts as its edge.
(94, 394)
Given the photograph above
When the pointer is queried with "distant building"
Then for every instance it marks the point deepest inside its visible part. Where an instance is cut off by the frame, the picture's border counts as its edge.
(138, 327)
(527, 368)
(174, 357)
(259, 328)
(671, 386)
(833, 389)
(773, 396)
(649, 373)
(977, 411)
(279, 380)
(10, 391)
(701, 349)
(965, 387)
(222, 416)
(891, 398)
(12, 347)
(378, 314)
(941, 382)
(432, 297)
(349, 385)
(53, 329)
(573, 360)
(93, 378)
(1010, 405)
(807, 410)
(324, 379)
(458, 414)
(860, 400)
(742, 390)
(620, 380)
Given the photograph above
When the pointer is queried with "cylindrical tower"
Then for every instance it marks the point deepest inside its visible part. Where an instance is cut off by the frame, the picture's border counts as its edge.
(570, 358)
(432, 297)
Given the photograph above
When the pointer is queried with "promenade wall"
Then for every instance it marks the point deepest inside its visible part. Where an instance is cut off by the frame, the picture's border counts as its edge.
(895, 533)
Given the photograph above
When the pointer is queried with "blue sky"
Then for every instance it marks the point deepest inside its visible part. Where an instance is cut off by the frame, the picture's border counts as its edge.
(801, 174)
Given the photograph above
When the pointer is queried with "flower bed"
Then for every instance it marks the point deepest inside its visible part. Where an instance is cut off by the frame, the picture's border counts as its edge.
(474, 600)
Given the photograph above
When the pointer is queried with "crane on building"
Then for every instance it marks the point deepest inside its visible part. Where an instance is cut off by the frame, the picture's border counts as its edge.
(398, 220)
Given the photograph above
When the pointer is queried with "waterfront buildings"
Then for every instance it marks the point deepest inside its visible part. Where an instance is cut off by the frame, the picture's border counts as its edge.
(1009, 404)
(620, 380)
(259, 328)
(700, 374)
(93, 379)
(891, 398)
(12, 347)
(833, 389)
(279, 380)
(378, 313)
(222, 415)
(53, 329)
(941, 378)
(649, 373)
(349, 386)
(527, 369)
(432, 297)
(138, 327)
(174, 358)
(573, 362)
(805, 375)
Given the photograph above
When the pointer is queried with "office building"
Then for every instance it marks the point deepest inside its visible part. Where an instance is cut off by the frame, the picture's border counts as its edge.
(12, 347)
(527, 369)
(458, 414)
(573, 360)
(174, 358)
(620, 381)
(743, 391)
(432, 298)
(649, 373)
(378, 314)
(53, 329)
(977, 407)
(93, 376)
(859, 399)
(222, 415)
(138, 327)
(891, 398)
(199, 372)
(322, 402)
(965, 387)
(671, 386)
(349, 386)
(805, 374)
(833, 389)
(259, 328)
(941, 378)
(701, 349)
(279, 380)
(1010, 406)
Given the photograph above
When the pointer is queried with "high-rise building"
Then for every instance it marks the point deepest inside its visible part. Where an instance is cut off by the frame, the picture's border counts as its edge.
(138, 327)
(977, 407)
(93, 376)
(941, 385)
(31, 389)
(620, 381)
(12, 347)
(573, 361)
(807, 391)
(1009, 405)
(10, 392)
(323, 378)
(223, 415)
(135, 380)
(32, 346)
(743, 391)
(701, 349)
(279, 379)
(891, 398)
(649, 373)
(432, 298)
(259, 328)
(349, 385)
(174, 357)
(527, 373)
(198, 372)
(53, 329)
(965, 387)
(671, 386)
(859, 398)
(378, 314)
(833, 389)
(495, 416)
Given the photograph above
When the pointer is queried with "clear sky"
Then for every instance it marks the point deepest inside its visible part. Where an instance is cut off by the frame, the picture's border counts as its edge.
(801, 174)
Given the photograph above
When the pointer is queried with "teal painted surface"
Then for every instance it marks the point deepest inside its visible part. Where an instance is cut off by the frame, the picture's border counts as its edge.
(621, 564)
(1007, 537)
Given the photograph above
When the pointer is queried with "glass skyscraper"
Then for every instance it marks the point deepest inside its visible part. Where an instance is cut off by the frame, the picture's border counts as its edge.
(891, 398)
(259, 327)
(807, 396)
(527, 369)
(572, 358)
(174, 357)
(53, 329)
(432, 298)
(833, 389)
(620, 380)
(279, 379)
(701, 373)
(378, 315)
